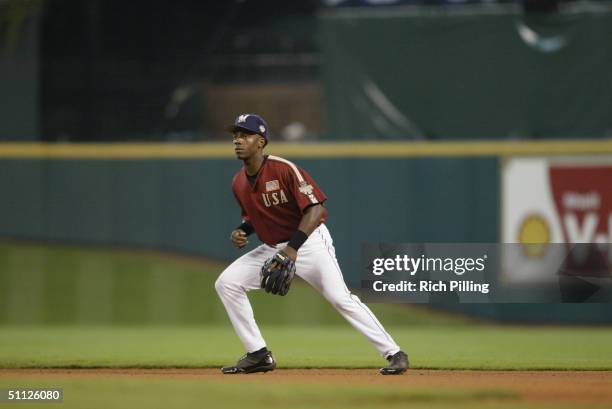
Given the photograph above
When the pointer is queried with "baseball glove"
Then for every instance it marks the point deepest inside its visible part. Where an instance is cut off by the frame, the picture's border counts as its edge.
(277, 274)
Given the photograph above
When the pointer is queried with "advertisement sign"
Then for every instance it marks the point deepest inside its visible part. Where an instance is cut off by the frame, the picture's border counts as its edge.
(560, 200)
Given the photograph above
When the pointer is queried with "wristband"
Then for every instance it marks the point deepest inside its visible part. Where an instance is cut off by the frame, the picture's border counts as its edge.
(246, 228)
(298, 238)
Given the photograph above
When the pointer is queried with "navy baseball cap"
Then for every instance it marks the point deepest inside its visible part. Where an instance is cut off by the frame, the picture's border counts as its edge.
(250, 123)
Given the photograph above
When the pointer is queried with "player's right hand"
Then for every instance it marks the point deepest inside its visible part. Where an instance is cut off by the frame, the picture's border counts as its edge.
(239, 238)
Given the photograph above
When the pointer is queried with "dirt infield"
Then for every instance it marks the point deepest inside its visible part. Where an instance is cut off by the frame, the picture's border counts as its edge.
(586, 387)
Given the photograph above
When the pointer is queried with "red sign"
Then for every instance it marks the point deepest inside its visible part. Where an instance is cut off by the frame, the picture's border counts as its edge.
(583, 199)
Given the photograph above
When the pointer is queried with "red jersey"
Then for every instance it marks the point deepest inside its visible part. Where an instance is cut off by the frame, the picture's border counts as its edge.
(275, 202)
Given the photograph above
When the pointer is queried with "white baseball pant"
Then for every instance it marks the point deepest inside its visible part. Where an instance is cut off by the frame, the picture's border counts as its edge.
(317, 265)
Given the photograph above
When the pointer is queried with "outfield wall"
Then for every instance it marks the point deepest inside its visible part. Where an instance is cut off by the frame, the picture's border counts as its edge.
(178, 197)
(186, 204)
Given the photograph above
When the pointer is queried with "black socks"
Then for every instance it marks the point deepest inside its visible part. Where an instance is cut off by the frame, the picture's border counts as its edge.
(260, 353)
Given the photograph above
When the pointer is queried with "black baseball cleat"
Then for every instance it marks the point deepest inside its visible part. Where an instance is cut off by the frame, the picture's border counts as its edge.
(398, 364)
(251, 363)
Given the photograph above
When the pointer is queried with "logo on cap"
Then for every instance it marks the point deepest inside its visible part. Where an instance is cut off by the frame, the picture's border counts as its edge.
(243, 118)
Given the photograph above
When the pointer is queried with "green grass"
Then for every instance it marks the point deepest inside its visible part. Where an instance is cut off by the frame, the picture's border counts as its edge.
(238, 393)
(145, 309)
(476, 347)
(44, 284)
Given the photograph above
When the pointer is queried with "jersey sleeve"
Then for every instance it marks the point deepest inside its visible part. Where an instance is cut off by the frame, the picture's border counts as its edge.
(303, 187)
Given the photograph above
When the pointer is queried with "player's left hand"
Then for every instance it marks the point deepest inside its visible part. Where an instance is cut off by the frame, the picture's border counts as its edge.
(277, 274)
(290, 252)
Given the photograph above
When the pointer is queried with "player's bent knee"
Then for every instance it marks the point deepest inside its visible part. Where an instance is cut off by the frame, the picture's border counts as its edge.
(225, 285)
(220, 285)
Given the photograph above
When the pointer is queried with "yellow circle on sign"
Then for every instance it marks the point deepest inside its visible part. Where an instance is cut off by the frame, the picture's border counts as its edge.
(534, 235)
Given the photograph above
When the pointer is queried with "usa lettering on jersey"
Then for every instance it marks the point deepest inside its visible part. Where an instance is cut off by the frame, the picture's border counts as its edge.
(274, 199)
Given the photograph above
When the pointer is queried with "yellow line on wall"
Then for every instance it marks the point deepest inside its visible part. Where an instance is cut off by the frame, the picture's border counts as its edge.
(112, 151)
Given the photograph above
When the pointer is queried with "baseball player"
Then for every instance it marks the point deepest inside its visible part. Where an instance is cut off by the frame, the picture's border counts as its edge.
(282, 204)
